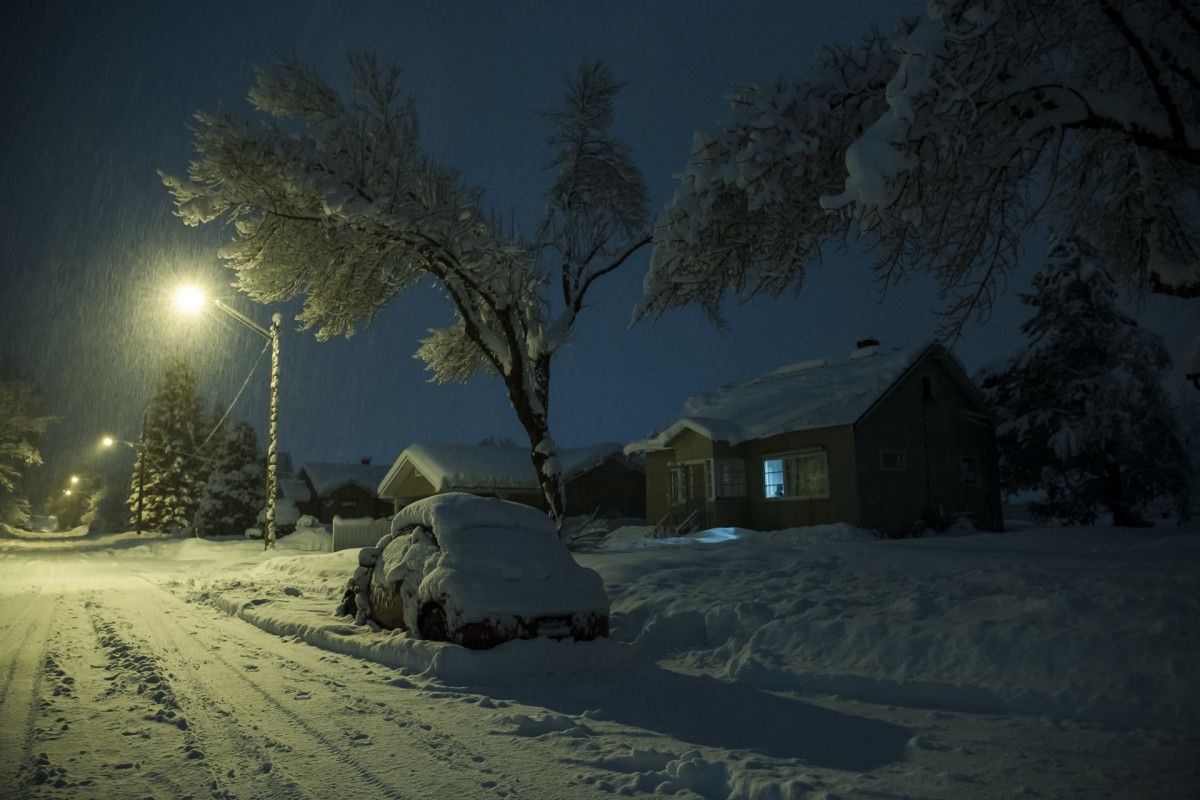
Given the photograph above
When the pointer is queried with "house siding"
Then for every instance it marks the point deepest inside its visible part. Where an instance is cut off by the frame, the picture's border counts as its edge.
(934, 434)
(350, 500)
(769, 514)
(932, 415)
(610, 490)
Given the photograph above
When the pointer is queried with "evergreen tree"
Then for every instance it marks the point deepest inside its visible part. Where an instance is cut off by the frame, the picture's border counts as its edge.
(20, 429)
(1082, 412)
(235, 487)
(169, 472)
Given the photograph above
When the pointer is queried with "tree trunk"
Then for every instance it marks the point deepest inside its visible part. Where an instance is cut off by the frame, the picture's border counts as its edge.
(1114, 491)
(530, 396)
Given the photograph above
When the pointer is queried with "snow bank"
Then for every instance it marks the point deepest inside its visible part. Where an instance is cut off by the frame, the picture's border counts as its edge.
(1093, 624)
(1090, 625)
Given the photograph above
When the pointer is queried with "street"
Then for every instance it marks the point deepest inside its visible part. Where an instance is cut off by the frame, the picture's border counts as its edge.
(115, 687)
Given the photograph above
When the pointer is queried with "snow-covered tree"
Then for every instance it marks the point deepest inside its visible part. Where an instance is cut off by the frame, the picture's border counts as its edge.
(941, 144)
(169, 472)
(333, 200)
(20, 428)
(1082, 413)
(235, 488)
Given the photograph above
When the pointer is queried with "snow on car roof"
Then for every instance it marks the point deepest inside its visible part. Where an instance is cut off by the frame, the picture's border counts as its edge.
(811, 394)
(457, 511)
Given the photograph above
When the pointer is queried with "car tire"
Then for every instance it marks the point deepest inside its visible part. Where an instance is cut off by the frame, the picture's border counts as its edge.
(431, 622)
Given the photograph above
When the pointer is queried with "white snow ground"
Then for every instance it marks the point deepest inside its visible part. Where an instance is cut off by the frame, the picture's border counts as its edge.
(813, 663)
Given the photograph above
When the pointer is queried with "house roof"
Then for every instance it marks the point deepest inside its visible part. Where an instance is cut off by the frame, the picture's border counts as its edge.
(463, 467)
(820, 393)
(294, 489)
(325, 477)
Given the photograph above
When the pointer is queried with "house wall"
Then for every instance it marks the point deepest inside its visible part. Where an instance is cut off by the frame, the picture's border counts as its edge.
(350, 500)
(771, 513)
(414, 487)
(755, 510)
(613, 489)
(934, 434)
(687, 446)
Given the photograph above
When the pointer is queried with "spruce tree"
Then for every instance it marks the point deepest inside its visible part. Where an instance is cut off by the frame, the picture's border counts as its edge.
(1082, 411)
(169, 472)
(235, 488)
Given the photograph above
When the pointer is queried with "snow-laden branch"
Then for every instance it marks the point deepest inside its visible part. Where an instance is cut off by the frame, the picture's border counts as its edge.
(942, 144)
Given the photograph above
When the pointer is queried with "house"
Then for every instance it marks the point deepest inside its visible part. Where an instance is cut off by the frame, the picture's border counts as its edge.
(346, 490)
(889, 439)
(599, 479)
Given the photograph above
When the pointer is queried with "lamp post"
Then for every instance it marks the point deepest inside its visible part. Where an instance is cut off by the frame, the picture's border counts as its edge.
(192, 299)
(140, 449)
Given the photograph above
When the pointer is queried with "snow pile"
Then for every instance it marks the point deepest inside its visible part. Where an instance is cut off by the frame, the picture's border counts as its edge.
(1042, 622)
(1089, 624)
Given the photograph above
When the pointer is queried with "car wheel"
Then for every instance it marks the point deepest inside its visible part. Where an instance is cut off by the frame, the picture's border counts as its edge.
(431, 622)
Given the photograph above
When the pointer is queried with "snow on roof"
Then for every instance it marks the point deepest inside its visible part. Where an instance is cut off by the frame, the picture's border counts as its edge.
(811, 394)
(294, 489)
(476, 467)
(325, 477)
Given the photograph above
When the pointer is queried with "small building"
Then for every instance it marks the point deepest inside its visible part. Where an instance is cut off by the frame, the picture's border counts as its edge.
(599, 479)
(889, 439)
(347, 490)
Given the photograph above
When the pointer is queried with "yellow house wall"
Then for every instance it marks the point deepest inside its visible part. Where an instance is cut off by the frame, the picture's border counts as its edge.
(777, 513)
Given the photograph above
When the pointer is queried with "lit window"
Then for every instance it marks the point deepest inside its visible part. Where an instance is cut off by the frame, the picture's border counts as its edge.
(891, 460)
(799, 476)
(970, 471)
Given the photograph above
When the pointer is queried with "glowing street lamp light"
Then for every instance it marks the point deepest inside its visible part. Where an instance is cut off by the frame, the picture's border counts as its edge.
(140, 449)
(191, 299)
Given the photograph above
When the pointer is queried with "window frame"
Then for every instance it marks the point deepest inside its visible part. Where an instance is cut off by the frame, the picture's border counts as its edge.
(902, 461)
(968, 467)
(794, 457)
(727, 478)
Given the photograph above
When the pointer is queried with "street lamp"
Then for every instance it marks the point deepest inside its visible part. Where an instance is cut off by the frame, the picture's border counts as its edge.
(140, 449)
(191, 299)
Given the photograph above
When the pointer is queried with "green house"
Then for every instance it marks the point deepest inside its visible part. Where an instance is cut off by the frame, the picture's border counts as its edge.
(893, 440)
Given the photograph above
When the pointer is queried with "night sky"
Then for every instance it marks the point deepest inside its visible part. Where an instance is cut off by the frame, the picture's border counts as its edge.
(98, 97)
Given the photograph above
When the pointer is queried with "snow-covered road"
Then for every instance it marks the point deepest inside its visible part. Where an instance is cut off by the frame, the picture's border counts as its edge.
(130, 668)
(112, 682)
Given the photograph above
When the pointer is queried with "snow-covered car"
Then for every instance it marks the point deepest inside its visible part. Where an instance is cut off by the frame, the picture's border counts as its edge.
(476, 572)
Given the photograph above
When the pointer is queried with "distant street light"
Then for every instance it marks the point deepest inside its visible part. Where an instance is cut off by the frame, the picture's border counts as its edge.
(191, 299)
(140, 449)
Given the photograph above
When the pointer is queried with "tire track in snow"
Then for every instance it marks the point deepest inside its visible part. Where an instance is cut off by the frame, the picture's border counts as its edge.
(24, 650)
(220, 677)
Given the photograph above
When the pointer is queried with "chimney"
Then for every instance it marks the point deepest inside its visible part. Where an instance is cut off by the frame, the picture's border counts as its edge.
(366, 462)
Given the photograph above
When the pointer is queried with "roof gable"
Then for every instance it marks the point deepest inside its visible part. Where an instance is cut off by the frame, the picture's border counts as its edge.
(325, 477)
(819, 393)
